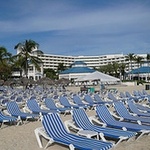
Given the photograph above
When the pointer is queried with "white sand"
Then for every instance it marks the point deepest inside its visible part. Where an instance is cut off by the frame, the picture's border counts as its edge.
(23, 138)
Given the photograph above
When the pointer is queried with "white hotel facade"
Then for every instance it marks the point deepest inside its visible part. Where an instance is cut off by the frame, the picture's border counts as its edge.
(52, 61)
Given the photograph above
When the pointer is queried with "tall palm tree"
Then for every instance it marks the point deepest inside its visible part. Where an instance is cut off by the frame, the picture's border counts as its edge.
(115, 66)
(139, 59)
(122, 68)
(25, 55)
(4, 55)
(148, 61)
(5, 63)
(130, 57)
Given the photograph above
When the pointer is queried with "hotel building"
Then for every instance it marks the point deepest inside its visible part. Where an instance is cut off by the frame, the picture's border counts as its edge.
(52, 61)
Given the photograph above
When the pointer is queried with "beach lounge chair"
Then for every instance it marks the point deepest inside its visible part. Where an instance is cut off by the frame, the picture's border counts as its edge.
(136, 111)
(57, 132)
(146, 94)
(49, 103)
(14, 110)
(125, 115)
(138, 95)
(65, 102)
(89, 100)
(100, 101)
(104, 115)
(35, 108)
(6, 119)
(81, 120)
(130, 97)
(143, 107)
(77, 100)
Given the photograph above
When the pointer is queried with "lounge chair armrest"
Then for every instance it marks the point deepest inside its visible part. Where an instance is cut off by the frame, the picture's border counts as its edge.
(133, 114)
(102, 137)
(26, 109)
(95, 119)
(139, 122)
(59, 105)
(44, 107)
(121, 119)
(6, 112)
(124, 128)
(116, 116)
(70, 123)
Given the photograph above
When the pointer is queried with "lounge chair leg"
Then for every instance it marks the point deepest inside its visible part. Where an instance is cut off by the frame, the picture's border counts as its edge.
(121, 139)
(38, 138)
(40, 132)
(102, 137)
(143, 132)
(71, 147)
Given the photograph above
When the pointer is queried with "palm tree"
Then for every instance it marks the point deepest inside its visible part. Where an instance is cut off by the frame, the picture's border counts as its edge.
(130, 57)
(25, 55)
(61, 67)
(148, 61)
(122, 68)
(139, 59)
(4, 55)
(5, 63)
(115, 66)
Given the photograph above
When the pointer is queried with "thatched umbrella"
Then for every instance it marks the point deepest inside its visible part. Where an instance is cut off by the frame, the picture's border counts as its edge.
(1, 82)
(45, 81)
(9, 82)
(63, 81)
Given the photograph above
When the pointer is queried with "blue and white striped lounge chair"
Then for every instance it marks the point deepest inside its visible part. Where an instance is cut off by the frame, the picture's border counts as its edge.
(81, 120)
(89, 100)
(146, 94)
(52, 106)
(35, 108)
(57, 132)
(77, 100)
(135, 110)
(6, 119)
(105, 116)
(100, 101)
(14, 110)
(128, 95)
(138, 95)
(143, 108)
(113, 98)
(125, 115)
(64, 102)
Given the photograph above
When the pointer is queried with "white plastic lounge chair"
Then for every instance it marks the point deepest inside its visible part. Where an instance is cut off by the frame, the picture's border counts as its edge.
(50, 104)
(35, 108)
(135, 110)
(65, 102)
(128, 95)
(77, 100)
(143, 107)
(89, 100)
(81, 120)
(14, 110)
(6, 119)
(104, 115)
(100, 101)
(58, 134)
(125, 115)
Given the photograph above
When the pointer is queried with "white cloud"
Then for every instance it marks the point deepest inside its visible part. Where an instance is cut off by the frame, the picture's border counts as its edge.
(117, 26)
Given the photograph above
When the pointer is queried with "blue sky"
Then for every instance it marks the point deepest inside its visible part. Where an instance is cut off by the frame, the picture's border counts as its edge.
(77, 27)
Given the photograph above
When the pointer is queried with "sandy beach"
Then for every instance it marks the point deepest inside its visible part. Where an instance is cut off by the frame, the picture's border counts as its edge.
(22, 137)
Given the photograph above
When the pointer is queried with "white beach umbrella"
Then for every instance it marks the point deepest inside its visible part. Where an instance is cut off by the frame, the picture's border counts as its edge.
(98, 76)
